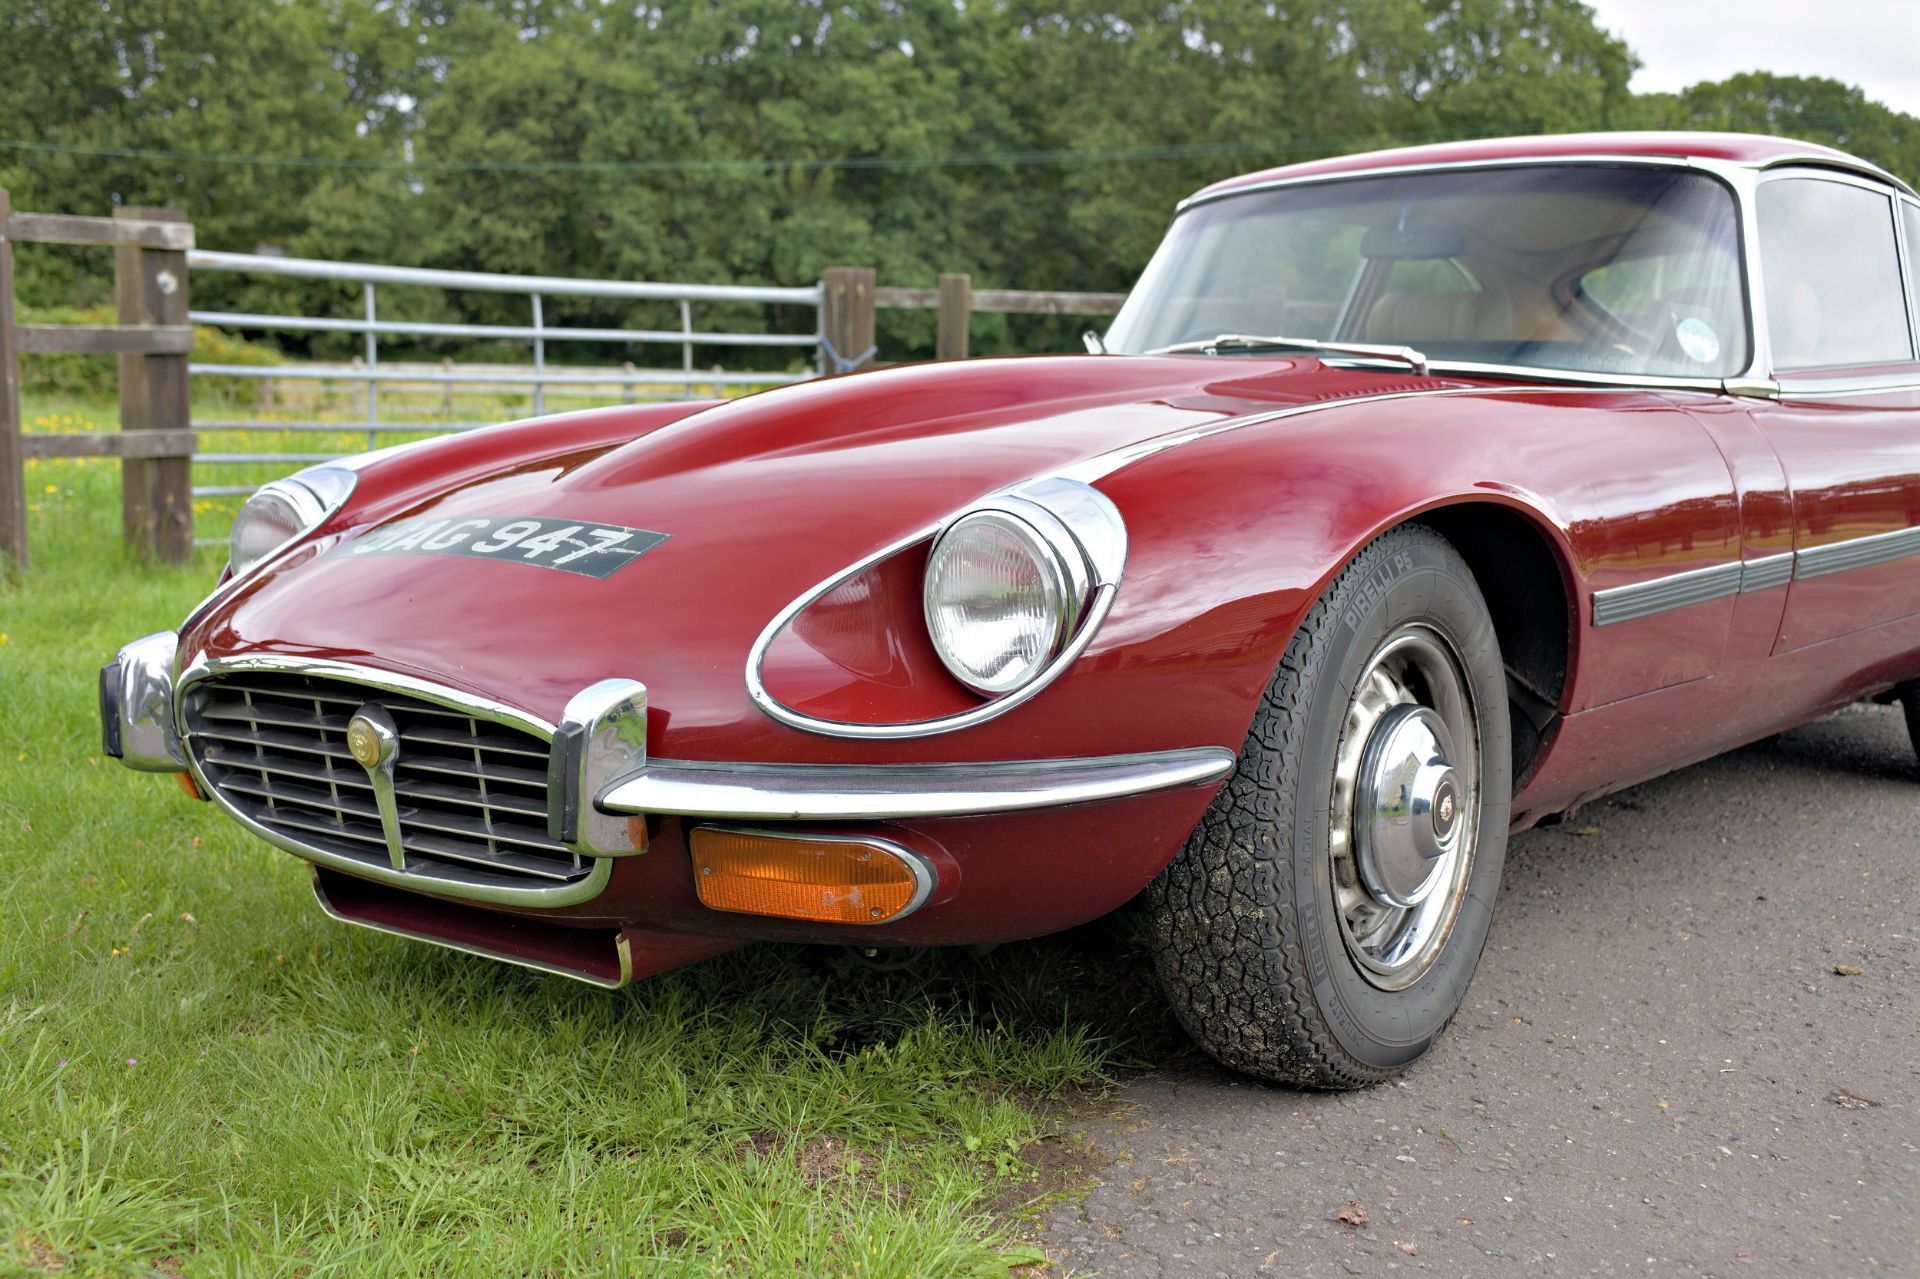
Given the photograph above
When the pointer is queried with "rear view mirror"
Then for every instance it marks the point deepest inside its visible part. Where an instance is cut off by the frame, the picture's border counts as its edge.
(1412, 243)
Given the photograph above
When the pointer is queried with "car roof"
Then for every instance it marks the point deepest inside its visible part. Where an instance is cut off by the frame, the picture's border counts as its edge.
(1753, 149)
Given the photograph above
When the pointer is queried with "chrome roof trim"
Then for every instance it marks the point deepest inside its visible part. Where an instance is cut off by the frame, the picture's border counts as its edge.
(893, 792)
(1706, 164)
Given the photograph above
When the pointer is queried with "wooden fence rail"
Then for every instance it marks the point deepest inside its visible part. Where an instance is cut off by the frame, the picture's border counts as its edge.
(156, 441)
(153, 341)
(850, 298)
(956, 300)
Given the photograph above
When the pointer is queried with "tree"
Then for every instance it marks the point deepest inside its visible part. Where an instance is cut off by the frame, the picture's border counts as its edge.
(1803, 107)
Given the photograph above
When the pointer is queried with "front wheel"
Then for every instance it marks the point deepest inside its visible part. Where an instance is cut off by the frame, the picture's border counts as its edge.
(1322, 923)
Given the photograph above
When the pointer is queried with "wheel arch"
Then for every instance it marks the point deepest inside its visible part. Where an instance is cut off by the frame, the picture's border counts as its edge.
(1527, 580)
(1524, 568)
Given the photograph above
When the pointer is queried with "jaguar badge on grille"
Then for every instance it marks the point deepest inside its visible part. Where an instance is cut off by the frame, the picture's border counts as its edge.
(373, 739)
(363, 739)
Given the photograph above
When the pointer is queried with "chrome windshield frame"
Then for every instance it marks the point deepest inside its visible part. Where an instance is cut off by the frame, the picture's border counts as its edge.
(1742, 179)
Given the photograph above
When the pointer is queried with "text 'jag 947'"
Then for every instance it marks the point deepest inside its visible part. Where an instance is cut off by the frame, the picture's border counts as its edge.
(1411, 499)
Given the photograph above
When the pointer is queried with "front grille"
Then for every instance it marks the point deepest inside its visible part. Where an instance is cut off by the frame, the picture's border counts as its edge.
(471, 793)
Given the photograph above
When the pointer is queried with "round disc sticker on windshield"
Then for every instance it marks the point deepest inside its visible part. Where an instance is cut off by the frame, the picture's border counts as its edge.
(1698, 340)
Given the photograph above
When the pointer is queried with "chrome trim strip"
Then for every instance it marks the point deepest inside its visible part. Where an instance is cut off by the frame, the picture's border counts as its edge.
(1678, 590)
(569, 894)
(1792, 387)
(1663, 594)
(924, 877)
(202, 667)
(891, 792)
(1766, 573)
(1858, 552)
(621, 946)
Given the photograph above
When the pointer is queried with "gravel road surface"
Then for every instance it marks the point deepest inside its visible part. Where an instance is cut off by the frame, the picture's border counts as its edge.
(1691, 1049)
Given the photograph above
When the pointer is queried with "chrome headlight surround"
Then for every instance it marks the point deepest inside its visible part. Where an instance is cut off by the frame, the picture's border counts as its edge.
(998, 637)
(1082, 526)
(284, 510)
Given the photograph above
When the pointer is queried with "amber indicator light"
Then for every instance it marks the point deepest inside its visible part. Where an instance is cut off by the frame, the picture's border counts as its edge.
(836, 881)
(188, 785)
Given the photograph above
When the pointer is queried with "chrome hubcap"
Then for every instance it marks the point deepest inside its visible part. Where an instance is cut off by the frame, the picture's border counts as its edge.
(1405, 805)
(1404, 814)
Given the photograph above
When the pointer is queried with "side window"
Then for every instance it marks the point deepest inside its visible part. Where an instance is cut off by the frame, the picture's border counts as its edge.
(1911, 212)
(1832, 269)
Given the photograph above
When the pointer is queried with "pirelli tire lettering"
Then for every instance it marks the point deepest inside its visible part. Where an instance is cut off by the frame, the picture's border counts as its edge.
(571, 546)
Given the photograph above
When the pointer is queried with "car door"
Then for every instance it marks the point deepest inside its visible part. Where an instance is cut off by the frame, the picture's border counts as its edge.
(1846, 421)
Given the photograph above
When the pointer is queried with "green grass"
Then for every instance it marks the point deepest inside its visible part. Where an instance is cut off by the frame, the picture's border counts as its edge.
(201, 1075)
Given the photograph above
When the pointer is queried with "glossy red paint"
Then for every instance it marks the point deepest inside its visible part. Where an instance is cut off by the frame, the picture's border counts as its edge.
(1246, 484)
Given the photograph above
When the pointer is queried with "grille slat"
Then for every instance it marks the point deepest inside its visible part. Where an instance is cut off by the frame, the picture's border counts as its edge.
(431, 845)
(364, 834)
(479, 829)
(287, 766)
(276, 716)
(470, 793)
(467, 741)
(305, 797)
(460, 768)
(436, 793)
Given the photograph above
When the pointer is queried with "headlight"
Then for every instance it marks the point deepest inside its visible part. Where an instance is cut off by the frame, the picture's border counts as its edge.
(283, 510)
(1001, 597)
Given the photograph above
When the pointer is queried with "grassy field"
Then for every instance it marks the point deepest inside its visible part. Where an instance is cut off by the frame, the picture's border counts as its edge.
(200, 1075)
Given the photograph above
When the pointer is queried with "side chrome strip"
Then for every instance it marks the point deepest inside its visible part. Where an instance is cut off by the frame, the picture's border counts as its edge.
(1663, 594)
(885, 792)
(1743, 577)
(1765, 574)
(1859, 552)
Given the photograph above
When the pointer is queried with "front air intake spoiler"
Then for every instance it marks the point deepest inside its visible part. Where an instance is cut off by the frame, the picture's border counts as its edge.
(604, 957)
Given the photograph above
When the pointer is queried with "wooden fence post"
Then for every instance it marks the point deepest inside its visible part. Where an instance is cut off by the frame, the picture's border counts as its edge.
(956, 307)
(13, 480)
(846, 317)
(157, 492)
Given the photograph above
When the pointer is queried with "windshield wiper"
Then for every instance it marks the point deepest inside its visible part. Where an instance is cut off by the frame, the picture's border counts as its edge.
(1406, 355)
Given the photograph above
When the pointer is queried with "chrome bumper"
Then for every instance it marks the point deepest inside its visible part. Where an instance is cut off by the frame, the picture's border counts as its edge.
(887, 792)
(603, 729)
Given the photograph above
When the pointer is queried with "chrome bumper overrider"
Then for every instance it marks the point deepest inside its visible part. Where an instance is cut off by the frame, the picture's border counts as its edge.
(136, 706)
(600, 775)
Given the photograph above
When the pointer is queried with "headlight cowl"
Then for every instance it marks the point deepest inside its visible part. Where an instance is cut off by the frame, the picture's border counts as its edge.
(283, 510)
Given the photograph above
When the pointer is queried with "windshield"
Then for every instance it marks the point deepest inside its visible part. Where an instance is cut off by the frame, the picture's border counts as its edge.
(1593, 268)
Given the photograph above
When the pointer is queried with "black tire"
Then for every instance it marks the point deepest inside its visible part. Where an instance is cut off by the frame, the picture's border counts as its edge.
(1910, 703)
(1247, 940)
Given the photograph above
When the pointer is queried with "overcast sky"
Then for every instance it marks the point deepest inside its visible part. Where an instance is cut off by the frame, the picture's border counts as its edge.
(1871, 43)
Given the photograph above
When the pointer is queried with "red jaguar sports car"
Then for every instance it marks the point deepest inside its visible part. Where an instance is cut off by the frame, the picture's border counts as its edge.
(1412, 499)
